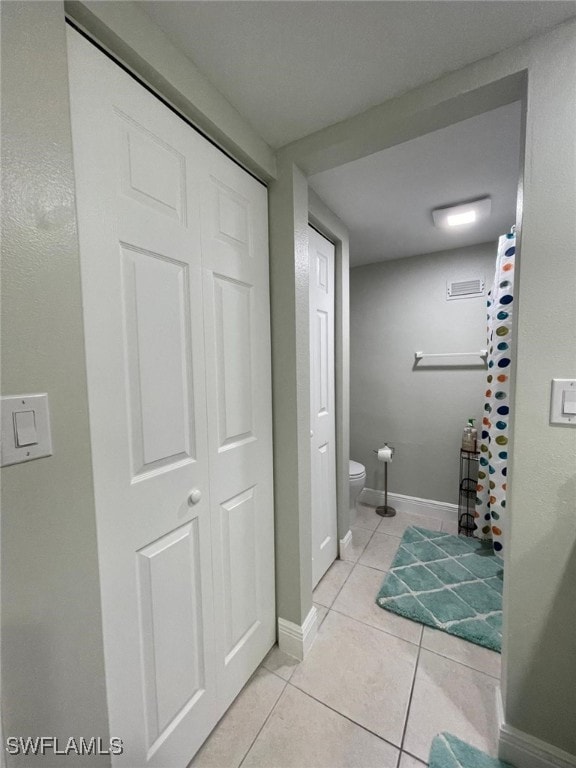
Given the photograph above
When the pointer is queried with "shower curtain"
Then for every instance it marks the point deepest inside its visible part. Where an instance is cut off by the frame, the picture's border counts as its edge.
(490, 507)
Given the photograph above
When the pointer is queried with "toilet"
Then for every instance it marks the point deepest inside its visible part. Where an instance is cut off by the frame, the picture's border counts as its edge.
(357, 479)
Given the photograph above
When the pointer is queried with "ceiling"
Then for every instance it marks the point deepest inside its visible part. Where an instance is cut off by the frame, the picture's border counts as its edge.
(291, 68)
(386, 199)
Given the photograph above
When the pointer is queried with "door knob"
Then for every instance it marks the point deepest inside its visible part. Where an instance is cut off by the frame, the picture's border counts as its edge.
(194, 497)
(311, 433)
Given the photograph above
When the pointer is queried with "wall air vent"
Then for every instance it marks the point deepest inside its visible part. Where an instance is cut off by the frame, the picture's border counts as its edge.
(465, 289)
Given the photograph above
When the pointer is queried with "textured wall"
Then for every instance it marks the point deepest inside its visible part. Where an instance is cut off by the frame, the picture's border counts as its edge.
(540, 622)
(288, 213)
(396, 308)
(52, 655)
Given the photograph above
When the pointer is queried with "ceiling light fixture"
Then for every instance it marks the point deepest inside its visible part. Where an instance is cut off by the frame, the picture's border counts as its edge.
(463, 213)
(461, 218)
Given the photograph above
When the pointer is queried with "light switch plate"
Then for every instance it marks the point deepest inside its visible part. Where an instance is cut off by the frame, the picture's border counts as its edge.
(563, 397)
(12, 425)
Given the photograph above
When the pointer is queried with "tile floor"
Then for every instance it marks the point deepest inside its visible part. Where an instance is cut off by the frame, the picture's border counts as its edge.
(375, 688)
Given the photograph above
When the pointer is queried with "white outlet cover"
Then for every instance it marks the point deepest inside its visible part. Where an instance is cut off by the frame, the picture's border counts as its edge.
(10, 452)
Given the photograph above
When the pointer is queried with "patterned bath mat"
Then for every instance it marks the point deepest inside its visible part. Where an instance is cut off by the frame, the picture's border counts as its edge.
(448, 582)
(449, 752)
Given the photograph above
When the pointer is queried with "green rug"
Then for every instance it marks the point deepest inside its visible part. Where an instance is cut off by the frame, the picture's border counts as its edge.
(449, 752)
(448, 582)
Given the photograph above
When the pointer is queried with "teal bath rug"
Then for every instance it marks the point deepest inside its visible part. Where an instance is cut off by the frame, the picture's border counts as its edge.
(449, 752)
(448, 582)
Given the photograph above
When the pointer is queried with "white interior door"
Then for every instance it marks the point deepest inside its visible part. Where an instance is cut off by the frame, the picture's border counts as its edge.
(185, 548)
(237, 323)
(322, 400)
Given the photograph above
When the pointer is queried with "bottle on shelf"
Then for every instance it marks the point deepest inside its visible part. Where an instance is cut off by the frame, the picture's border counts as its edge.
(469, 436)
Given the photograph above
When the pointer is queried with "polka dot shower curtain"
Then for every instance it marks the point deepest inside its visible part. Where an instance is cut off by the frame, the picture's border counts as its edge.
(493, 444)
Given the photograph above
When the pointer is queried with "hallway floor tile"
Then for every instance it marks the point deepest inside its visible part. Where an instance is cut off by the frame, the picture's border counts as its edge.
(352, 670)
(450, 697)
(235, 733)
(380, 551)
(360, 537)
(331, 583)
(373, 691)
(395, 526)
(356, 599)
(302, 733)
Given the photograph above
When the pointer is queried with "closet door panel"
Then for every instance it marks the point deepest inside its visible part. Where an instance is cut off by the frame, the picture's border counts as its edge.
(170, 583)
(236, 313)
(233, 301)
(174, 257)
(138, 204)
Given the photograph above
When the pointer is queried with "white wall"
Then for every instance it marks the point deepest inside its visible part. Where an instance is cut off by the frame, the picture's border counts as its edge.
(52, 652)
(540, 589)
(396, 308)
(288, 205)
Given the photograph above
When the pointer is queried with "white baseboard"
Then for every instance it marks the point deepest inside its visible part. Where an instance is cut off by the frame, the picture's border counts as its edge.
(499, 710)
(344, 544)
(439, 510)
(296, 640)
(525, 751)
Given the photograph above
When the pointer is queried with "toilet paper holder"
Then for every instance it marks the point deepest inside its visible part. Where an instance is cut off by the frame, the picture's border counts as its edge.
(386, 445)
(386, 510)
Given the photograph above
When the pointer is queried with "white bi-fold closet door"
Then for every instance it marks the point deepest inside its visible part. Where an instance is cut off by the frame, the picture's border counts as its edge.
(174, 261)
(321, 254)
